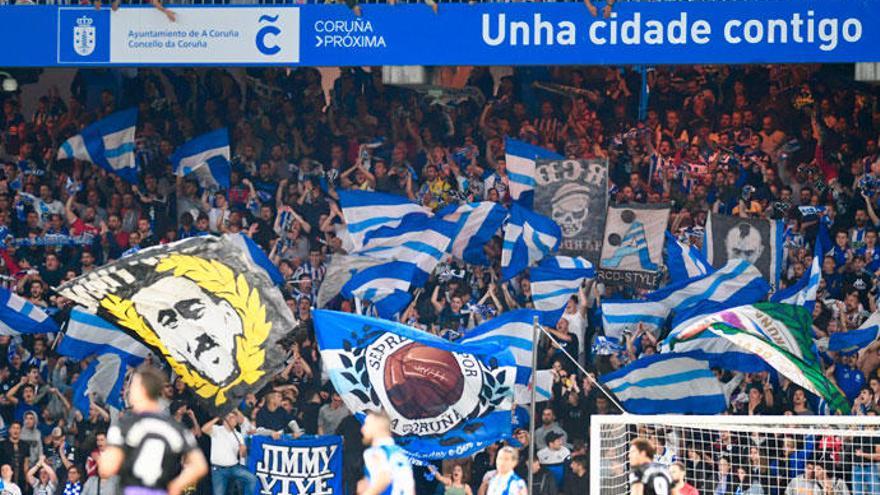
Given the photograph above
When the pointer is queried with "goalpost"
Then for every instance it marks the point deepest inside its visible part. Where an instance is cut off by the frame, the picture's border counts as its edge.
(770, 451)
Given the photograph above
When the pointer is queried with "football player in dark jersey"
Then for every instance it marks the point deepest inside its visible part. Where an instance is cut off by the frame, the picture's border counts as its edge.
(645, 476)
(147, 448)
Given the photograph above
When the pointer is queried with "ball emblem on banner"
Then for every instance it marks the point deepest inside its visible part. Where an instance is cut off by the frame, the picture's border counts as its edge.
(422, 381)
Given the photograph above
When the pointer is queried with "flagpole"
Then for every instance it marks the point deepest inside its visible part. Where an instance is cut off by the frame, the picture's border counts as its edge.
(605, 392)
(536, 333)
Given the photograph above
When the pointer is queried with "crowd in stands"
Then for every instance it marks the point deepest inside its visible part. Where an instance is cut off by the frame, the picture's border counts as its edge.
(752, 141)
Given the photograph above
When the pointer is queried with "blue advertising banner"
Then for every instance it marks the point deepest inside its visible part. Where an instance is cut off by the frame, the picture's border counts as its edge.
(482, 34)
(309, 465)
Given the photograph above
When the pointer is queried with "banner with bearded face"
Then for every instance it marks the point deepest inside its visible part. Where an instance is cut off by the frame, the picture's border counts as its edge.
(758, 241)
(201, 305)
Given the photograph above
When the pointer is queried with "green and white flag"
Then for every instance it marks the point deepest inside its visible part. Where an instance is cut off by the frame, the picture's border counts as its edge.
(780, 334)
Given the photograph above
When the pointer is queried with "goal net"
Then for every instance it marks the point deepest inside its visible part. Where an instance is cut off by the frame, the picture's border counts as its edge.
(749, 455)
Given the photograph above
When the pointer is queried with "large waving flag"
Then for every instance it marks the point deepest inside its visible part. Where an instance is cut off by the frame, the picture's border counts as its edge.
(108, 143)
(684, 261)
(445, 399)
(386, 285)
(514, 329)
(366, 211)
(520, 159)
(88, 334)
(622, 315)
(736, 283)
(528, 237)
(781, 334)
(200, 306)
(19, 316)
(476, 224)
(206, 156)
(554, 281)
(420, 240)
(803, 292)
(857, 339)
(667, 384)
(101, 382)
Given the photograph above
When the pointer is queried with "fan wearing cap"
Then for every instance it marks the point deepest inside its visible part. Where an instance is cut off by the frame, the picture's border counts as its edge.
(554, 456)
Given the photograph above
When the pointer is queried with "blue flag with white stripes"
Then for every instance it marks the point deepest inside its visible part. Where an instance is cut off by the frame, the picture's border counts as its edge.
(855, 340)
(476, 224)
(803, 292)
(206, 156)
(88, 334)
(444, 399)
(735, 284)
(386, 285)
(554, 281)
(417, 239)
(621, 316)
(366, 211)
(528, 237)
(20, 316)
(676, 383)
(684, 261)
(108, 143)
(513, 329)
(520, 159)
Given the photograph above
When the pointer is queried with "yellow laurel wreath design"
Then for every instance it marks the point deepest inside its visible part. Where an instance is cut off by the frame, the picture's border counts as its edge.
(218, 279)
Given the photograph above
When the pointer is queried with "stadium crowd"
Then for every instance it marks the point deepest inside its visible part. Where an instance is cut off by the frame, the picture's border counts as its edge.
(750, 141)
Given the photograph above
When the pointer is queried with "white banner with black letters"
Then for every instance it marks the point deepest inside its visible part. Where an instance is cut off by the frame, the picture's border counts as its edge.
(574, 193)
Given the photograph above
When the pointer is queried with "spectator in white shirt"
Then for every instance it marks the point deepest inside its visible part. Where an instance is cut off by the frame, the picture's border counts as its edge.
(228, 452)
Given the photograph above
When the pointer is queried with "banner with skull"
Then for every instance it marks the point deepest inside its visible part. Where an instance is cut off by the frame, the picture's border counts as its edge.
(632, 251)
(202, 306)
(574, 193)
(757, 241)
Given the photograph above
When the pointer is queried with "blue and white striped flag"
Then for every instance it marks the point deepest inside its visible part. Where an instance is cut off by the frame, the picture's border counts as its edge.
(420, 240)
(855, 340)
(88, 334)
(528, 237)
(803, 292)
(622, 315)
(684, 261)
(19, 316)
(554, 281)
(366, 211)
(386, 285)
(477, 223)
(206, 156)
(100, 382)
(108, 143)
(667, 384)
(514, 331)
(735, 284)
(520, 159)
